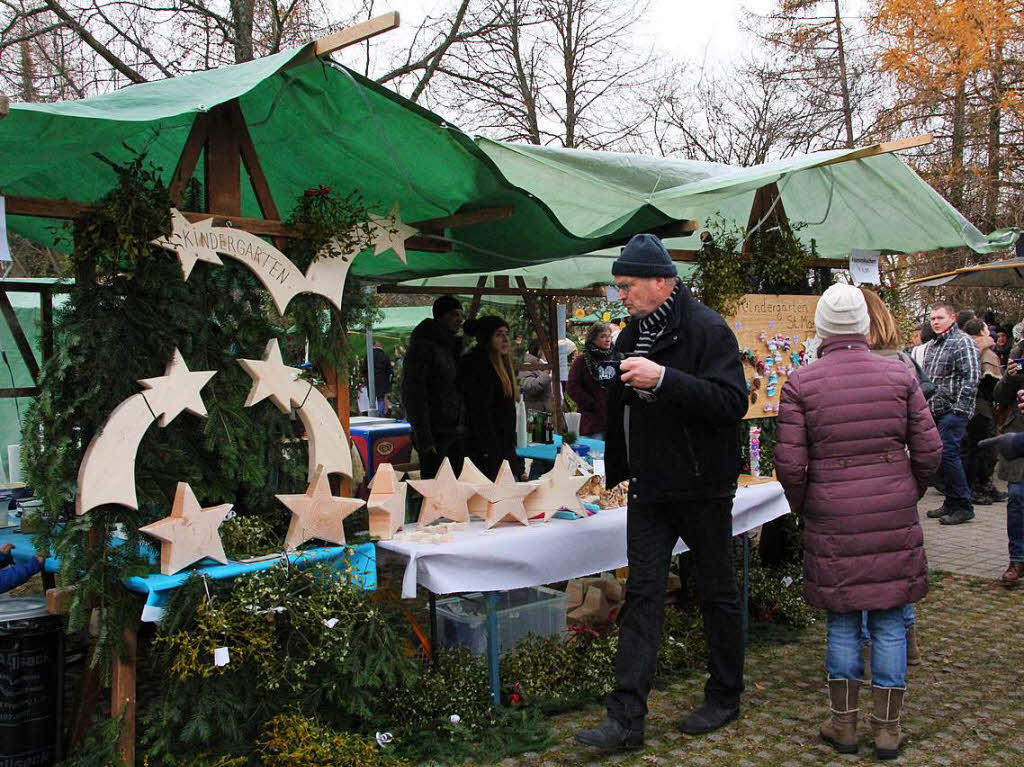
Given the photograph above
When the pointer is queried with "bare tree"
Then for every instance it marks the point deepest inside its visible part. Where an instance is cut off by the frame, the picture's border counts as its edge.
(558, 72)
(818, 59)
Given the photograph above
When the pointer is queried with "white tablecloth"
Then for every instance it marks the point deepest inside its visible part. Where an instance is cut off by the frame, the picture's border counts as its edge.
(513, 556)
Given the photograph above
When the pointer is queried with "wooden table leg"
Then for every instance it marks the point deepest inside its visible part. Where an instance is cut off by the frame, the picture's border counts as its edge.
(122, 694)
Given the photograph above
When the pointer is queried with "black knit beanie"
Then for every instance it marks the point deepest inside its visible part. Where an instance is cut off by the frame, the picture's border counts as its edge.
(482, 328)
(445, 304)
(644, 256)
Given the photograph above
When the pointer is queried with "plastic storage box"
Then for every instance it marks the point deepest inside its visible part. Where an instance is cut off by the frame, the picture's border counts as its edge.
(462, 620)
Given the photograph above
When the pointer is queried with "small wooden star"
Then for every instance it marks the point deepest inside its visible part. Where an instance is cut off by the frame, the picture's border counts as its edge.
(444, 497)
(390, 233)
(191, 242)
(476, 479)
(272, 378)
(386, 503)
(556, 489)
(505, 498)
(317, 514)
(176, 390)
(189, 534)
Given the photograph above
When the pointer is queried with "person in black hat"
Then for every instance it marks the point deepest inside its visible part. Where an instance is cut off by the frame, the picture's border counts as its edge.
(673, 432)
(487, 376)
(430, 391)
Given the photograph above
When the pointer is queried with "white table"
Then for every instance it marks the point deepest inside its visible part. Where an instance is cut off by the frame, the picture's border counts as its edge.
(513, 556)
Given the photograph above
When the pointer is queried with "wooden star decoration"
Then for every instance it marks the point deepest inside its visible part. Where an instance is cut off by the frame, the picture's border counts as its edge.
(189, 534)
(272, 378)
(391, 233)
(444, 497)
(177, 390)
(386, 503)
(505, 498)
(191, 242)
(476, 479)
(317, 513)
(556, 490)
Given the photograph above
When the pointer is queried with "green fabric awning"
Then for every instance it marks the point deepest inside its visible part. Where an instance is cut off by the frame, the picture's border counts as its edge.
(318, 123)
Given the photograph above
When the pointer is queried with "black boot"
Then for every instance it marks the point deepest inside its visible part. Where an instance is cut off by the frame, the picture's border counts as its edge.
(940, 512)
(610, 736)
(980, 498)
(709, 717)
(957, 517)
(997, 495)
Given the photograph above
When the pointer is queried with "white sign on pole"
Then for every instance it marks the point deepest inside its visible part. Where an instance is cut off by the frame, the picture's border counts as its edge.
(5, 251)
(864, 267)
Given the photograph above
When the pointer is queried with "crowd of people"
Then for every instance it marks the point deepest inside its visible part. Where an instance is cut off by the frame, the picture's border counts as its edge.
(862, 433)
(460, 384)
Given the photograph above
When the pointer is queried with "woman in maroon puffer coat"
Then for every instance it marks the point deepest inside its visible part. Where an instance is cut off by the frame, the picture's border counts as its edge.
(856, 448)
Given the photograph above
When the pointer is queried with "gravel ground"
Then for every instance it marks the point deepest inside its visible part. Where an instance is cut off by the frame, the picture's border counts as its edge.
(963, 706)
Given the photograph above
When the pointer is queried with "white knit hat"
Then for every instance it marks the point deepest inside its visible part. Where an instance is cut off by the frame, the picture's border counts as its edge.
(841, 311)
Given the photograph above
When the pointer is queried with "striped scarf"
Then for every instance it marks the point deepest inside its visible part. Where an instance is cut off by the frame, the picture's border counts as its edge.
(651, 327)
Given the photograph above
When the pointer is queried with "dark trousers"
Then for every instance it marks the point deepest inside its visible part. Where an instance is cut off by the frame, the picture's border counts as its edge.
(651, 533)
(454, 449)
(979, 463)
(952, 427)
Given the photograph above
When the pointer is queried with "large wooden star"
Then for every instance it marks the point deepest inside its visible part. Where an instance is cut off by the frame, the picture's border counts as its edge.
(317, 514)
(390, 233)
(191, 242)
(505, 498)
(176, 390)
(476, 479)
(556, 490)
(189, 534)
(272, 378)
(444, 497)
(386, 503)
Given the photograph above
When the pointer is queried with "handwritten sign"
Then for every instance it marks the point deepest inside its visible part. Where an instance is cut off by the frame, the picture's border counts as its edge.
(864, 267)
(772, 331)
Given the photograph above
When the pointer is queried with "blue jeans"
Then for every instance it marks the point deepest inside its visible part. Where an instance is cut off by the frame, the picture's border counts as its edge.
(888, 647)
(951, 430)
(1015, 521)
(909, 620)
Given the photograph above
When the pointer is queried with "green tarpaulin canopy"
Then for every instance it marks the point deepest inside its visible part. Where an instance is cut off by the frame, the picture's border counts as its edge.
(320, 123)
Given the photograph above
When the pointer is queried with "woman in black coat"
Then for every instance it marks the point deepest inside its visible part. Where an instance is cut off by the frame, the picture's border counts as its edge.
(490, 389)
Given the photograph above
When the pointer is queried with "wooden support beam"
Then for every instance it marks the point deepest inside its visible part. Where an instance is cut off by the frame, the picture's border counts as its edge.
(885, 147)
(690, 256)
(419, 290)
(5, 106)
(474, 305)
(188, 160)
(21, 391)
(343, 38)
(35, 286)
(19, 337)
(531, 309)
(46, 323)
(466, 218)
(68, 209)
(122, 693)
(223, 162)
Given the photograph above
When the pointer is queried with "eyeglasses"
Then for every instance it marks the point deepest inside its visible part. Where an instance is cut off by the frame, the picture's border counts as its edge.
(623, 287)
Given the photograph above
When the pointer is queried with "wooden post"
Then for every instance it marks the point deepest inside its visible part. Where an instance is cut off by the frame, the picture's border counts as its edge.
(122, 694)
(556, 383)
(474, 305)
(46, 322)
(223, 163)
(767, 208)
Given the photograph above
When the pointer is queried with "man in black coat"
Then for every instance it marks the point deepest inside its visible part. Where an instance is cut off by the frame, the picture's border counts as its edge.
(433, 402)
(673, 432)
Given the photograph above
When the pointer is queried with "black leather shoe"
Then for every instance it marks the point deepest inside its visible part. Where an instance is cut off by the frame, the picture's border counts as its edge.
(709, 717)
(610, 736)
(940, 512)
(997, 495)
(979, 498)
(957, 517)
